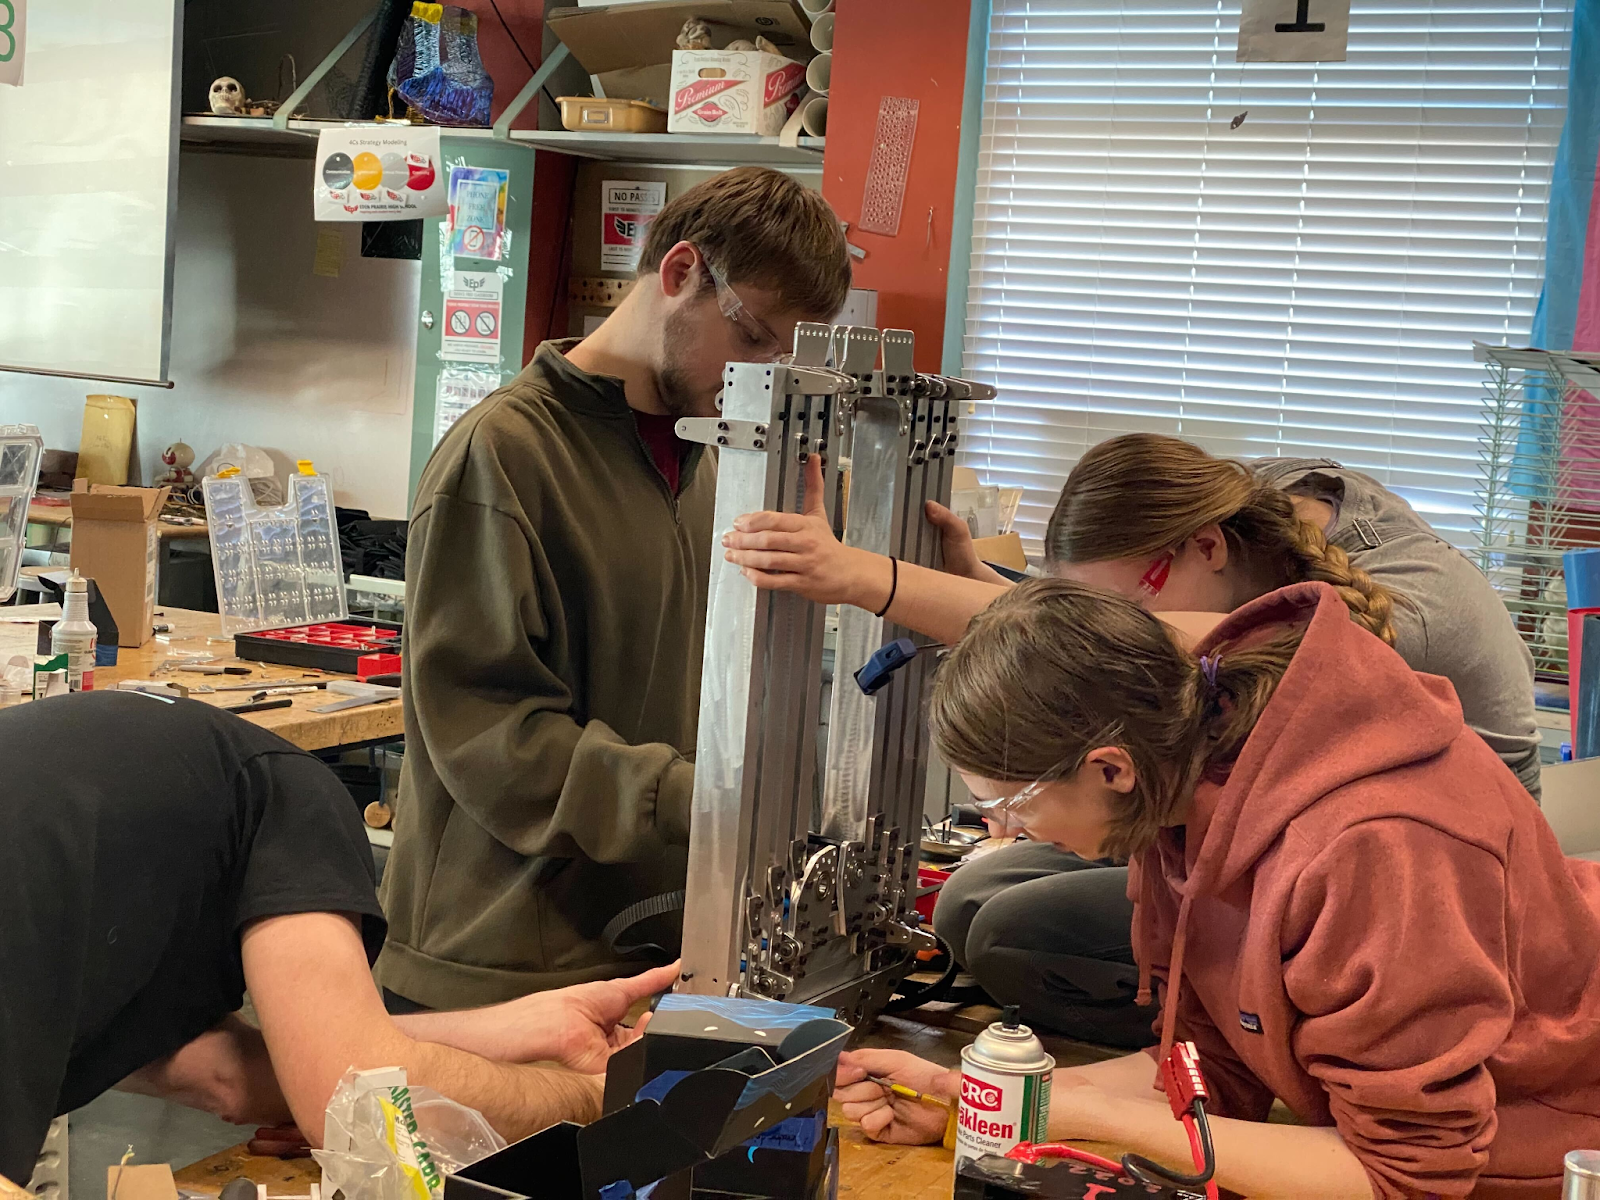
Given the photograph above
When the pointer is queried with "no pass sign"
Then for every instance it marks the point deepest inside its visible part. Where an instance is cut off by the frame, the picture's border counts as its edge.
(472, 318)
(624, 219)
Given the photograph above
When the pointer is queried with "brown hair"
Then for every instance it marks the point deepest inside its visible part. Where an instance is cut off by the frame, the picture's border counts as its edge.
(1054, 669)
(759, 226)
(1144, 493)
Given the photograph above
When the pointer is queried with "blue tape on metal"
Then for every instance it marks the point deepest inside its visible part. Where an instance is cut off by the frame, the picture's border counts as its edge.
(794, 1133)
(658, 1087)
(620, 1190)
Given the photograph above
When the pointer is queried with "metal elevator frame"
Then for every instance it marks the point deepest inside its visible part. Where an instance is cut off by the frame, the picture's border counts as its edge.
(798, 888)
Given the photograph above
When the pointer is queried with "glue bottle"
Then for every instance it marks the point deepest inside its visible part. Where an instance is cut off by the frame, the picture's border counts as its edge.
(74, 635)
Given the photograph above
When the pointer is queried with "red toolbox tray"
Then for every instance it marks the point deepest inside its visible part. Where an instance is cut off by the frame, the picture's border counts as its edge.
(328, 646)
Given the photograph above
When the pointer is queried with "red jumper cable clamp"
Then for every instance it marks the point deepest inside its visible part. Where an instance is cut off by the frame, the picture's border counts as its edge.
(1186, 1093)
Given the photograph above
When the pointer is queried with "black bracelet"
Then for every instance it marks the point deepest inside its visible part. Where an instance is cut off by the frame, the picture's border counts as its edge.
(894, 585)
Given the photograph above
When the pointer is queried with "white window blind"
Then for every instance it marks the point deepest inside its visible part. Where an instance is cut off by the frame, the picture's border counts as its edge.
(1309, 283)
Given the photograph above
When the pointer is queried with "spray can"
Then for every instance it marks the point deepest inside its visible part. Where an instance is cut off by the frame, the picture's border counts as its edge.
(1581, 1178)
(1005, 1090)
(74, 635)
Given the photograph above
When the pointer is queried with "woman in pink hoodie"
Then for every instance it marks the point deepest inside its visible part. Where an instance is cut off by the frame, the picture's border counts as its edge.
(1346, 897)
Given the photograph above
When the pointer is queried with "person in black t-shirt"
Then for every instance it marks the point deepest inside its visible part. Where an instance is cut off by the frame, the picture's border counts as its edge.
(159, 857)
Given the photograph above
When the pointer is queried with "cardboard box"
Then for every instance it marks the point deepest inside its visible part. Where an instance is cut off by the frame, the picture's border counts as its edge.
(114, 543)
(630, 36)
(733, 91)
(1004, 550)
(721, 1097)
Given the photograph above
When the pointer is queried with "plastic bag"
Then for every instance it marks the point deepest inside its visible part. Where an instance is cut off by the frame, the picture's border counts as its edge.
(402, 1142)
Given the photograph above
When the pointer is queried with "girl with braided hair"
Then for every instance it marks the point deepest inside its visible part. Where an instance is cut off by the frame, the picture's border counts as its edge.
(1344, 899)
(1187, 536)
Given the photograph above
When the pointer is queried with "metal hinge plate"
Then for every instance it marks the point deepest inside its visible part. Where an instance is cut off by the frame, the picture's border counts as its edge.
(721, 431)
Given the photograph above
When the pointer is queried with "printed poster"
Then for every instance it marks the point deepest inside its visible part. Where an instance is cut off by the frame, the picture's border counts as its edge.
(13, 40)
(458, 389)
(1294, 31)
(472, 318)
(625, 216)
(478, 211)
(378, 173)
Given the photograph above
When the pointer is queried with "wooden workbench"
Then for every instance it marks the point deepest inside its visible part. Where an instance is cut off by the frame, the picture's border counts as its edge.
(61, 514)
(867, 1170)
(299, 725)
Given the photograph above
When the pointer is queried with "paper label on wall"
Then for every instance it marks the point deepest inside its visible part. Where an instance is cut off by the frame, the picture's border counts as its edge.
(472, 318)
(378, 173)
(13, 40)
(330, 252)
(458, 390)
(1294, 31)
(625, 217)
(477, 211)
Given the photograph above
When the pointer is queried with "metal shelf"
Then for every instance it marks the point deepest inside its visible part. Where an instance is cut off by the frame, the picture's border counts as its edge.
(689, 149)
(258, 135)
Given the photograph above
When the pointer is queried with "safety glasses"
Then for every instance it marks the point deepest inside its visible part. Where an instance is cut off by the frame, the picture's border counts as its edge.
(766, 345)
(1014, 804)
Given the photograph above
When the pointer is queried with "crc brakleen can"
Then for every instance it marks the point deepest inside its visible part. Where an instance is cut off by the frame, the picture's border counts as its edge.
(1005, 1090)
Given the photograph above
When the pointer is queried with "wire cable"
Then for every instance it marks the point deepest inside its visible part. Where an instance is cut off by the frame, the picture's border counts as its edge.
(1030, 1152)
(1153, 1173)
(1198, 1153)
(506, 25)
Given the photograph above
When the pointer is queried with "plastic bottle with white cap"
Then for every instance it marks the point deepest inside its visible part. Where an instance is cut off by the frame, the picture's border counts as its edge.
(74, 635)
(1581, 1179)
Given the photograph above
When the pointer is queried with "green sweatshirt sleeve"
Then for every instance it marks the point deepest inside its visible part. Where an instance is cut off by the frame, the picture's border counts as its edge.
(498, 723)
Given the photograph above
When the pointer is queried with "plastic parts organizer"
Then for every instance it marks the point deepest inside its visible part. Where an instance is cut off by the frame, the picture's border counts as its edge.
(275, 565)
(20, 448)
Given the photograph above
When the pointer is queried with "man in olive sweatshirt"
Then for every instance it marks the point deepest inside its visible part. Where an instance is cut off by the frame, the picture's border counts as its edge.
(556, 580)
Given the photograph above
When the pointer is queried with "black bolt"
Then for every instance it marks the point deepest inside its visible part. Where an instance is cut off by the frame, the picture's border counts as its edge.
(760, 445)
(721, 441)
(722, 425)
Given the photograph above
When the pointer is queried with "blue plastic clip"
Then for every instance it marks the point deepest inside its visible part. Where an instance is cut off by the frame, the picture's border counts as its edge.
(889, 659)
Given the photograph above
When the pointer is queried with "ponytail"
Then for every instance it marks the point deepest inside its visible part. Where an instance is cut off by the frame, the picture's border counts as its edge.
(1370, 603)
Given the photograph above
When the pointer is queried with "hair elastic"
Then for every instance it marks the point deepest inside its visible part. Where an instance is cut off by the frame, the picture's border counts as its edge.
(894, 585)
(1208, 668)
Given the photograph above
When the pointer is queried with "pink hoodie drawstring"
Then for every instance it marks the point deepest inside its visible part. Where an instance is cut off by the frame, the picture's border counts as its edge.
(1169, 1002)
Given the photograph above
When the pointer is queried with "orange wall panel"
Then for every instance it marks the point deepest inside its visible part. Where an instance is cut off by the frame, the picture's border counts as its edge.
(916, 49)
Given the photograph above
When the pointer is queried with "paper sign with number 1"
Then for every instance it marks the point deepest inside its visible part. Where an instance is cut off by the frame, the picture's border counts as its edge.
(13, 40)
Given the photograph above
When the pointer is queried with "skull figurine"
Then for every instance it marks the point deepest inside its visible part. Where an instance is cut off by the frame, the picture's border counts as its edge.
(227, 97)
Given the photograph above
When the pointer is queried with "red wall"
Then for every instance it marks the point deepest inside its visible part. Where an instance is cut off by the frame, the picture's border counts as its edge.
(524, 22)
(916, 49)
(520, 23)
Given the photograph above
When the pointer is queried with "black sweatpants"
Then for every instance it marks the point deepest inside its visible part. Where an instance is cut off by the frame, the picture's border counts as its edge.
(1051, 932)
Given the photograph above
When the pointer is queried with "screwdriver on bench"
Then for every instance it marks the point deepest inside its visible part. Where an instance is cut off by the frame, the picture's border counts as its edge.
(911, 1093)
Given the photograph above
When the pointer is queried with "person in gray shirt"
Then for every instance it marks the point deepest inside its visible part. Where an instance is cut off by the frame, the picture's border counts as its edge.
(1188, 535)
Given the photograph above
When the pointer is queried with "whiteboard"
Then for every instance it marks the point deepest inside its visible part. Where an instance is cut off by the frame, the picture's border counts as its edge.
(88, 186)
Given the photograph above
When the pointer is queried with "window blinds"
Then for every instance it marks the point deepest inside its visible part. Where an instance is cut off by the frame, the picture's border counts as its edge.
(1308, 283)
